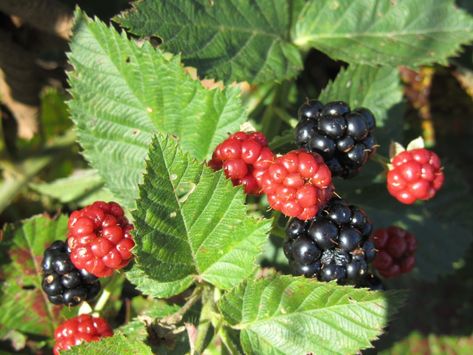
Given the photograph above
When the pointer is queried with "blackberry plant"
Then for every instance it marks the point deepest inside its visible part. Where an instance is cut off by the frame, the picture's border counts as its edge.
(206, 214)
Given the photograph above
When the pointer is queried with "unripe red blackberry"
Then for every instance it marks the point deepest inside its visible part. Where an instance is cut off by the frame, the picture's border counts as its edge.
(78, 330)
(415, 174)
(396, 251)
(100, 238)
(239, 155)
(297, 183)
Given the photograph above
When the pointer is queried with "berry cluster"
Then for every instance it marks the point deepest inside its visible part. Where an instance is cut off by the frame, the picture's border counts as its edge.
(334, 245)
(415, 175)
(62, 281)
(240, 155)
(396, 251)
(83, 328)
(297, 184)
(100, 238)
(343, 137)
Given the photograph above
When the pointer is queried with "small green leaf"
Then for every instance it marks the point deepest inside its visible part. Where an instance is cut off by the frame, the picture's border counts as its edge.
(116, 344)
(24, 306)
(123, 93)
(377, 89)
(295, 315)
(401, 32)
(206, 236)
(82, 187)
(231, 40)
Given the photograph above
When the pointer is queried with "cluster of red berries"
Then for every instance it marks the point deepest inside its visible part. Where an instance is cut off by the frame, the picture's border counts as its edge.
(100, 238)
(297, 183)
(241, 155)
(415, 175)
(80, 329)
(396, 251)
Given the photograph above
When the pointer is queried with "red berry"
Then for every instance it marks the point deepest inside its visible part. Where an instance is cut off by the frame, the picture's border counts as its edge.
(297, 184)
(241, 155)
(80, 329)
(396, 251)
(100, 239)
(416, 175)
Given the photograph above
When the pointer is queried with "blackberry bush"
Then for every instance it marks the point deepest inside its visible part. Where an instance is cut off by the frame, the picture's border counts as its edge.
(219, 129)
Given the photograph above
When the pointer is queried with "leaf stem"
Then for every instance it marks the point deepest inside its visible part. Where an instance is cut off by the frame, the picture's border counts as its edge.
(177, 316)
(209, 321)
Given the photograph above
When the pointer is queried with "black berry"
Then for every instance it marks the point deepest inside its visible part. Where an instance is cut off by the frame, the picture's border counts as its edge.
(295, 228)
(372, 282)
(310, 109)
(343, 137)
(334, 245)
(62, 282)
(304, 251)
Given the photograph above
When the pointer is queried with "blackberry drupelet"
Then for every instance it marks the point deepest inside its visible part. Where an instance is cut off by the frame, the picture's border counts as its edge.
(334, 245)
(341, 136)
(62, 281)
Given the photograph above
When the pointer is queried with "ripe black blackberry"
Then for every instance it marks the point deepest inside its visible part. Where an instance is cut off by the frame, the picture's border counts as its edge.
(372, 282)
(343, 137)
(62, 281)
(334, 245)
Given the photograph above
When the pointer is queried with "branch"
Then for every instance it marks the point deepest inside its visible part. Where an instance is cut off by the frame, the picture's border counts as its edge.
(177, 317)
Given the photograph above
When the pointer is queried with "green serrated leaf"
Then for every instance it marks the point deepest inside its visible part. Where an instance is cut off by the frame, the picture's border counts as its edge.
(231, 40)
(377, 89)
(205, 236)
(295, 315)
(24, 306)
(81, 187)
(116, 344)
(401, 32)
(123, 93)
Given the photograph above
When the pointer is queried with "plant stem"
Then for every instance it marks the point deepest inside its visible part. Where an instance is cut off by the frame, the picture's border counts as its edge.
(228, 342)
(205, 321)
(177, 317)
